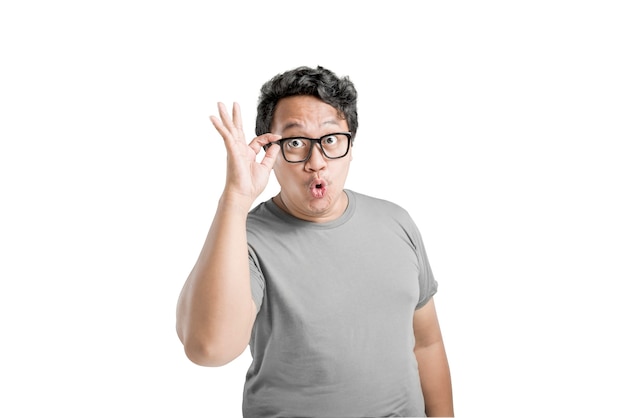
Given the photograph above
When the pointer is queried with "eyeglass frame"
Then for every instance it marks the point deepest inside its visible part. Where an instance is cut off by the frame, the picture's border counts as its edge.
(313, 141)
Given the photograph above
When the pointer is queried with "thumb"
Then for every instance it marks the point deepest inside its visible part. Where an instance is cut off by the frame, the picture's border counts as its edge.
(270, 156)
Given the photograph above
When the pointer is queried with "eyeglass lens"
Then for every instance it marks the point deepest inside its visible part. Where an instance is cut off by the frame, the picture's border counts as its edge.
(299, 149)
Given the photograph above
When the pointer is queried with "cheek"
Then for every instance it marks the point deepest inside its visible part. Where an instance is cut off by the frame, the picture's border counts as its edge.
(348, 161)
(282, 172)
(279, 167)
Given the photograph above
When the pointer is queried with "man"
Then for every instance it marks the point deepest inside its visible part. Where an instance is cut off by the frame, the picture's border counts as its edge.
(331, 289)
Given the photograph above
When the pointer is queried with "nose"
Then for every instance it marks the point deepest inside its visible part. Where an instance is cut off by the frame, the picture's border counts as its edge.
(317, 161)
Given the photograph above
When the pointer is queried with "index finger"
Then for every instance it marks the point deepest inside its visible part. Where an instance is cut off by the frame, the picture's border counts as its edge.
(262, 140)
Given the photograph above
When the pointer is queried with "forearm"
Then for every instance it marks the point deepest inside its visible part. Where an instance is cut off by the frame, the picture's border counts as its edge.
(215, 312)
(435, 380)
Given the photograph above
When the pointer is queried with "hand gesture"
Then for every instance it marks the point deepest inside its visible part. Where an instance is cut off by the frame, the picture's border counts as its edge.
(245, 177)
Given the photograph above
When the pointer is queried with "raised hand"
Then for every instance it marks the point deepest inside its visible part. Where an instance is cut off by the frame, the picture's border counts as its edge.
(245, 177)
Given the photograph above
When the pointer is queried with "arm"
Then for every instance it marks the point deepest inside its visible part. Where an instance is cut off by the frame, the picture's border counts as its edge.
(432, 362)
(215, 311)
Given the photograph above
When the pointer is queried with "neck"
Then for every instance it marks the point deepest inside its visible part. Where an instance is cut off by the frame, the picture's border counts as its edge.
(336, 209)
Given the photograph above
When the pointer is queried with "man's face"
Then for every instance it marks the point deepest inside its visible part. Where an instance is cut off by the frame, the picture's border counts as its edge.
(311, 190)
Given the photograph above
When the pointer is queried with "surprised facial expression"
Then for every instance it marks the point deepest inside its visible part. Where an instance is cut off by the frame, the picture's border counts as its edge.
(311, 190)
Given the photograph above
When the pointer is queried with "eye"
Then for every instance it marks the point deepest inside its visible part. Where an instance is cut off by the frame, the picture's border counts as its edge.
(295, 143)
(330, 140)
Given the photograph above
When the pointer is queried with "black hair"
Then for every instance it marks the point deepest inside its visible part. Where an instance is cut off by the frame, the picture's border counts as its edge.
(339, 92)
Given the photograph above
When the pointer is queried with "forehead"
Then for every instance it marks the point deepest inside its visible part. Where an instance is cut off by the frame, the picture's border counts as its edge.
(305, 114)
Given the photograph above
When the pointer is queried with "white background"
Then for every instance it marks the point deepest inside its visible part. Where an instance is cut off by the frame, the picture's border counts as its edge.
(499, 125)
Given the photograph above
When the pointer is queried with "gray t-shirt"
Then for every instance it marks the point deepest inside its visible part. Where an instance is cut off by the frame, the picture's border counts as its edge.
(333, 335)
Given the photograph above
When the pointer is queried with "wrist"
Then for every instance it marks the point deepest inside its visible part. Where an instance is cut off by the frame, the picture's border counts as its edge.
(235, 202)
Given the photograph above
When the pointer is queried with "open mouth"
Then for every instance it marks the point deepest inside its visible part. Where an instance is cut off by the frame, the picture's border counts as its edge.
(318, 188)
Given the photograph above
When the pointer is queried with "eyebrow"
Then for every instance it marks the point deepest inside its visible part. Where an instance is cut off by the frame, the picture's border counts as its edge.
(299, 125)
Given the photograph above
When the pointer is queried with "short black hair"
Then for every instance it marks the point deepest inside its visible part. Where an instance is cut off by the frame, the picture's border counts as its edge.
(339, 92)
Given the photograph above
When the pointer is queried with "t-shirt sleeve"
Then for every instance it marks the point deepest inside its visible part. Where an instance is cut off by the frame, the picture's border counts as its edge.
(428, 284)
(257, 281)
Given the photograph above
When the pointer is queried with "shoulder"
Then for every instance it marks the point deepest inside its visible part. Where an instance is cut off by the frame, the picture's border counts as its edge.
(387, 214)
(261, 217)
(378, 206)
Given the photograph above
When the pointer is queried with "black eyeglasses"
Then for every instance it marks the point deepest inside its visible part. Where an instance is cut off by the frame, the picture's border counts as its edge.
(298, 149)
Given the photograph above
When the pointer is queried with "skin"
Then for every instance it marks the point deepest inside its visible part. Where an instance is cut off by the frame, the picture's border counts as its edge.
(433, 362)
(310, 117)
(216, 312)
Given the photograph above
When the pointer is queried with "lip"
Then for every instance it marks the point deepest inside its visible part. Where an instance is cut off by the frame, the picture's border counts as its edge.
(318, 188)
